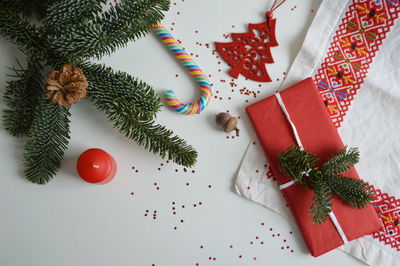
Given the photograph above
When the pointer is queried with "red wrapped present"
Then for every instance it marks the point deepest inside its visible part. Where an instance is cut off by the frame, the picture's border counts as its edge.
(319, 136)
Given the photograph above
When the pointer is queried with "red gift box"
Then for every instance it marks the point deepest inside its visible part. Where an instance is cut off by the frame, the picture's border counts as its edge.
(319, 136)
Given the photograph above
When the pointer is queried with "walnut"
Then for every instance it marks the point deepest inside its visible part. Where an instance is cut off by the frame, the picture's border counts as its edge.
(66, 87)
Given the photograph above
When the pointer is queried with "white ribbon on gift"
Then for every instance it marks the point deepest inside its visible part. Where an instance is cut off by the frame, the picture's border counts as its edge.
(306, 173)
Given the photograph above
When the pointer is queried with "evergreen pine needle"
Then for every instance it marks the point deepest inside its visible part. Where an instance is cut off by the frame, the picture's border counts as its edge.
(67, 13)
(321, 205)
(145, 132)
(20, 32)
(47, 140)
(341, 162)
(326, 180)
(295, 161)
(353, 192)
(116, 88)
(27, 7)
(22, 98)
(110, 30)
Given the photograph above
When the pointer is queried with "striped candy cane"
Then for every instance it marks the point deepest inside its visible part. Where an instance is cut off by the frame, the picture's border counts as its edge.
(191, 66)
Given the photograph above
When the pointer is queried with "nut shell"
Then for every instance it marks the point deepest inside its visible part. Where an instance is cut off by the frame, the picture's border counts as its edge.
(231, 125)
(222, 118)
(227, 122)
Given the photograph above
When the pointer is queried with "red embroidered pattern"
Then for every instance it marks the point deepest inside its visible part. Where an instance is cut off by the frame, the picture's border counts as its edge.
(354, 46)
(340, 76)
(388, 209)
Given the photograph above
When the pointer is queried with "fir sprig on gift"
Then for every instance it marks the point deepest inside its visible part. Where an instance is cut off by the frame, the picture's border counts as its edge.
(326, 180)
(69, 33)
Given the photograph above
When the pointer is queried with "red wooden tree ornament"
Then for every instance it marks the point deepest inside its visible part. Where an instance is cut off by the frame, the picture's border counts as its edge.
(248, 53)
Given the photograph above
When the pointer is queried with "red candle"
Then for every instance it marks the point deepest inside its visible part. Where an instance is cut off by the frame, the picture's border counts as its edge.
(96, 166)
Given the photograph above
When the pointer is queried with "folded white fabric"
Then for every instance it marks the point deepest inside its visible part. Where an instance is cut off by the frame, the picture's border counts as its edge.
(372, 124)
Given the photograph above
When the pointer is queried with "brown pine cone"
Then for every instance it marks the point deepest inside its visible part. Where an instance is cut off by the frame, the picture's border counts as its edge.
(66, 87)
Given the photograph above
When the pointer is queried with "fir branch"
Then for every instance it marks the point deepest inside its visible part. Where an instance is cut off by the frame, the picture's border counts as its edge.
(27, 7)
(46, 143)
(15, 6)
(119, 88)
(351, 191)
(321, 205)
(126, 21)
(20, 32)
(30, 39)
(326, 179)
(22, 97)
(38, 7)
(295, 162)
(66, 13)
(341, 162)
(74, 31)
(146, 133)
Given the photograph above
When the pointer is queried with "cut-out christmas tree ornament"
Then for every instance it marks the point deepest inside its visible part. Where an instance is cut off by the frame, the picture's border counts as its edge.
(249, 52)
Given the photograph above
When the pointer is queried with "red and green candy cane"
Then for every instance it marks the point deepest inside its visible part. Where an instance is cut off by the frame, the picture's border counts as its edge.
(190, 65)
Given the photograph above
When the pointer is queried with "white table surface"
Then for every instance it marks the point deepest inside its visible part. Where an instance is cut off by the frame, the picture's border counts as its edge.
(70, 222)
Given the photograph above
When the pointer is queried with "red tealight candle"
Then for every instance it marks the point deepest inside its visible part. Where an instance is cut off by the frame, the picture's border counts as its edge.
(96, 166)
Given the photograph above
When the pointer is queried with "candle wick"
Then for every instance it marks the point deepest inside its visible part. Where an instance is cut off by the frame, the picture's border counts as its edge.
(95, 165)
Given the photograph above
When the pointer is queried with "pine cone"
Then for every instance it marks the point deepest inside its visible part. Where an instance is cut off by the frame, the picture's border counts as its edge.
(66, 87)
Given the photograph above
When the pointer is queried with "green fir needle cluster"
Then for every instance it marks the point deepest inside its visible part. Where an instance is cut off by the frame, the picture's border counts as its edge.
(326, 180)
(52, 33)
